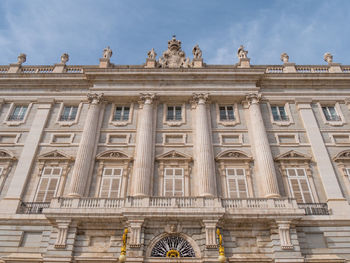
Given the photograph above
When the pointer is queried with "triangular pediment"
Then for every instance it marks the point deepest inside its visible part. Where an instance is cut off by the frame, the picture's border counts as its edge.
(6, 155)
(292, 155)
(173, 155)
(55, 155)
(232, 155)
(342, 156)
(113, 155)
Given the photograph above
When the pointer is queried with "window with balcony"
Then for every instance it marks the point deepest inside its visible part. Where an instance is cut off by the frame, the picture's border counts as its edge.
(69, 113)
(299, 185)
(111, 182)
(330, 113)
(18, 113)
(174, 182)
(279, 113)
(48, 185)
(236, 183)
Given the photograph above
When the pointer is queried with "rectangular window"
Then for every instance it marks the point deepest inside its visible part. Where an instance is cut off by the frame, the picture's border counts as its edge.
(330, 113)
(174, 113)
(121, 113)
(279, 113)
(226, 113)
(18, 113)
(236, 183)
(299, 185)
(174, 182)
(48, 184)
(111, 182)
(69, 113)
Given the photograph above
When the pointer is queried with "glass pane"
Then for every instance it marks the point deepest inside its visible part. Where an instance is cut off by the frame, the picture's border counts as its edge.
(230, 113)
(231, 172)
(117, 114)
(168, 185)
(283, 113)
(178, 185)
(47, 171)
(56, 171)
(326, 113)
(107, 171)
(240, 171)
(178, 172)
(178, 113)
(275, 115)
(291, 172)
(126, 113)
(301, 172)
(117, 171)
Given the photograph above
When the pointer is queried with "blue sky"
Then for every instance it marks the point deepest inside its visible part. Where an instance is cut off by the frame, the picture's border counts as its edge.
(44, 29)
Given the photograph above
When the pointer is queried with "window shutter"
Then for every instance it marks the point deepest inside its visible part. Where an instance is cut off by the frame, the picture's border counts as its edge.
(51, 190)
(299, 185)
(236, 183)
(104, 192)
(42, 190)
(115, 186)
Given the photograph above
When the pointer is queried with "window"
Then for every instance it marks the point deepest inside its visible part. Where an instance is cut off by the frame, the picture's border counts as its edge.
(18, 113)
(330, 113)
(174, 113)
(279, 113)
(48, 184)
(236, 183)
(226, 113)
(69, 113)
(111, 182)
(121, 113)
(299, 185)
(174, 182)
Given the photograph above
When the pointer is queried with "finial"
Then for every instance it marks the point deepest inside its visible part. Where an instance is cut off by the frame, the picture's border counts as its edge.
(64, 58)
(21, 58)
(328, 57)
(284, 57)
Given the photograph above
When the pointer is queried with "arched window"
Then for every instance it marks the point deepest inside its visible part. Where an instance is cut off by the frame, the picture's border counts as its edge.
(173, 246)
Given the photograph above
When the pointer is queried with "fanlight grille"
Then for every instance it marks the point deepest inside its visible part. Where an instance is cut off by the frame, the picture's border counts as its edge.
(173, 246)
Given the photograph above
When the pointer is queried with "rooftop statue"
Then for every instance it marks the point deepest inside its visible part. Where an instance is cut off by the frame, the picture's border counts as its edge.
(107, 53)
(328, 57)
(174, 57)
(197, 52)
(242, 53)
(21, 58)
(152, 54)
(64, 58)
(284, 57)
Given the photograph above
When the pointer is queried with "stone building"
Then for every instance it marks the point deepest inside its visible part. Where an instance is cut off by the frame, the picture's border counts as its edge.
(173, 151)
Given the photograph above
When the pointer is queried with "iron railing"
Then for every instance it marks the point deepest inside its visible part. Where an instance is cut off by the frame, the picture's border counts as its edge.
(33, 207)
(314, 208)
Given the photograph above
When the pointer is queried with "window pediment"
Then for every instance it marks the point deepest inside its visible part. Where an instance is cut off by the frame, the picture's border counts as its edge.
(342, 156)
(113, 155)
(233, 155)
(293, 156)
(173, 155)
(6, 155)
(55, 156)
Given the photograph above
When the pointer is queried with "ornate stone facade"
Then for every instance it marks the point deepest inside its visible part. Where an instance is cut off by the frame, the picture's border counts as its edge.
(175, 160)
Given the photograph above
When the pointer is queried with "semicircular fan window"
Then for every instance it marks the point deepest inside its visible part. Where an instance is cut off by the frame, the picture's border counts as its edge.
(173, 246)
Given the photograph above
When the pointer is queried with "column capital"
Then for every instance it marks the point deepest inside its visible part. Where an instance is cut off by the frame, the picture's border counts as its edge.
(95, 98)
(199, 98)
(253, 98)
(147, 98)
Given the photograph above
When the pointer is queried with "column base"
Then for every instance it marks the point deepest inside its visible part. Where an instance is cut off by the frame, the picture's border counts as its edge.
(74, 195)
(272, 196)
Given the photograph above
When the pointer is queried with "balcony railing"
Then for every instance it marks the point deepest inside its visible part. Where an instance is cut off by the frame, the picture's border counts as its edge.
(33, 207)
(314, 208)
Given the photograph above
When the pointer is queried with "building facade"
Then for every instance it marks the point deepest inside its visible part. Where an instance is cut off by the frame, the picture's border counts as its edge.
(247, 162)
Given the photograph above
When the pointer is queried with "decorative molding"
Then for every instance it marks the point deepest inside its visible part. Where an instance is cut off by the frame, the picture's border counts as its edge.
(210, 233)
(287, 109)
(173, 123)
(62, 231)
(181, 136)
(284, 233)
(54, 137)
(279, 137)
(14, 136)
(95, 98)
(238, 136)
(135, 227)
(9, 112)
(228, 122)
(125, 136)
(70, 122)
(7, 160)
(121, 122)
(199, 98)
(336, 105)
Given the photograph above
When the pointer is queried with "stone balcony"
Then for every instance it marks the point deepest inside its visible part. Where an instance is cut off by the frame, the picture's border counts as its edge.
(186, 207)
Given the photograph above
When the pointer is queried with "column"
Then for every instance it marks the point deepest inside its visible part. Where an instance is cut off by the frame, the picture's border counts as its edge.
(25, 161)
(203, 148)
(324, 164)
(87, 146)
(265, 168)
(142, 172)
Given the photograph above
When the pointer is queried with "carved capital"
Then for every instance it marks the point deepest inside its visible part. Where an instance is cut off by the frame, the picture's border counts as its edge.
(284, 233)
(62, 227)
(253, 98)
(95, 98)
(147, 98)
(199, 98)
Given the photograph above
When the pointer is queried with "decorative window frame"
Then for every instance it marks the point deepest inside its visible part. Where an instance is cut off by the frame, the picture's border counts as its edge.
(295, 135)
(332, 135)
(287, 109)
(111, 135)
(68, 123)
(183, 135)
(234, 159)
(174, 159)
(337, 109)
(121, 123)
(294, 159)
(55, 159)
(9, 112)
(114, 159)
(173, 123)
(14, 135)
(68, 135)
(235, 112)
(7, 159)
(238, 135)
(342, 160)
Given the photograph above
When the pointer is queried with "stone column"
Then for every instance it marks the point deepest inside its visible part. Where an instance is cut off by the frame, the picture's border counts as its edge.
(263, 157)
(203, 149)
(86, 148)
(142, 172)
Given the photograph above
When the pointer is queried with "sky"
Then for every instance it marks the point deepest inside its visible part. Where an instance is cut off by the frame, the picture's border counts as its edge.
(304, 29)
